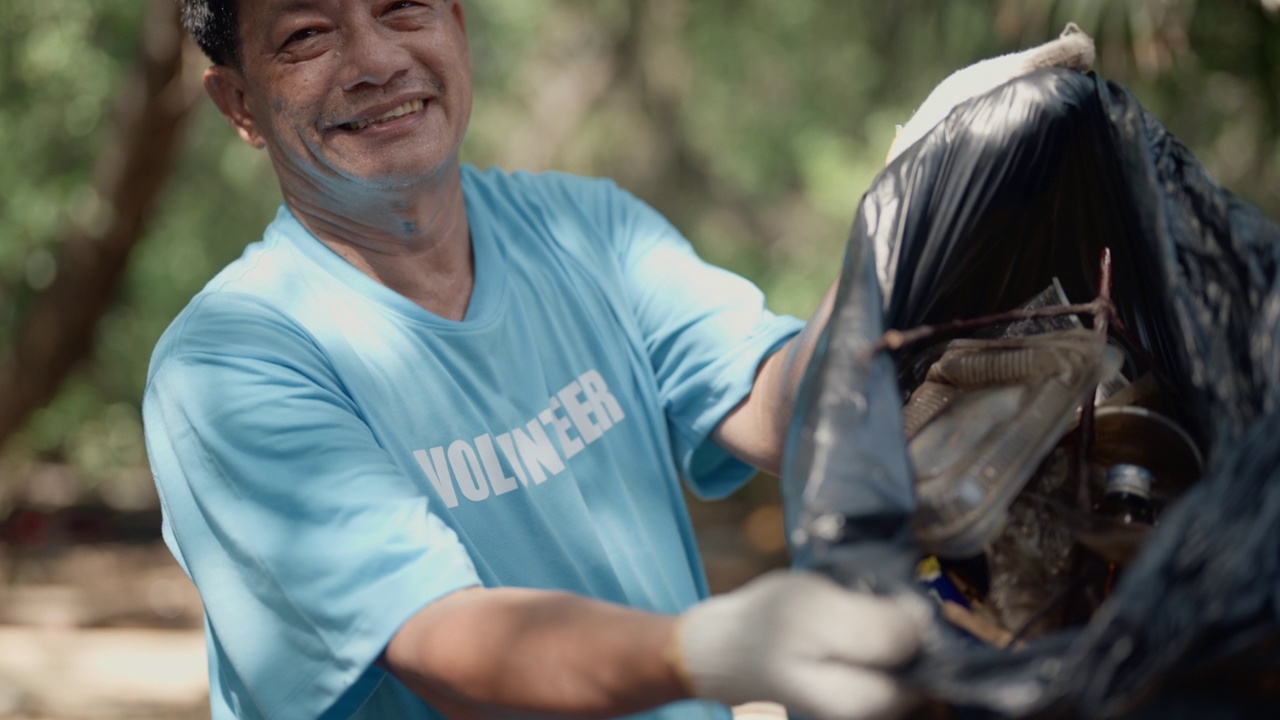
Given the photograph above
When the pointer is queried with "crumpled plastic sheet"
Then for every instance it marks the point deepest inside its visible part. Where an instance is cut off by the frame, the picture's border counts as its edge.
(1024, 184)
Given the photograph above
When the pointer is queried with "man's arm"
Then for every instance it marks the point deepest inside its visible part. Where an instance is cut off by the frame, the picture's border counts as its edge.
(493, 652)
(789, 637)
(755, 430)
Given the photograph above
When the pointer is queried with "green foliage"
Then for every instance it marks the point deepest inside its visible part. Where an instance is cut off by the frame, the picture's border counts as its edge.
(62, 63)
(57, 80)
(754, 125)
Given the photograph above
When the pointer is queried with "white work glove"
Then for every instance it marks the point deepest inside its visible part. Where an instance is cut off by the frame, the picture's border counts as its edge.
(1073, 49)
(799, 639)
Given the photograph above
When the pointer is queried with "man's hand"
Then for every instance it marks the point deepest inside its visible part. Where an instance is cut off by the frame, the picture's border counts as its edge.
(801, 640)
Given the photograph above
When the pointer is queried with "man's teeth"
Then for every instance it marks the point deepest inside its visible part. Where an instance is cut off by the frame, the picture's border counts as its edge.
(412, 106)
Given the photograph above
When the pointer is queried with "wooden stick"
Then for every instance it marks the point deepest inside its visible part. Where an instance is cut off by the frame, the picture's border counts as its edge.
(985, 630)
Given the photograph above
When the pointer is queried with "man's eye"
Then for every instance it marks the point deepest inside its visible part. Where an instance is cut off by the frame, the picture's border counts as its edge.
(300, 36)
(400, 5)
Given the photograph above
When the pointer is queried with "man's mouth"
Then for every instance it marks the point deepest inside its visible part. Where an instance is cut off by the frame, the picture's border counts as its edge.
(408, 108)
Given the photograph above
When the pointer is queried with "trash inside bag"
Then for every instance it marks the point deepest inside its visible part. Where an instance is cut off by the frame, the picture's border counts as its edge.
(991, 454)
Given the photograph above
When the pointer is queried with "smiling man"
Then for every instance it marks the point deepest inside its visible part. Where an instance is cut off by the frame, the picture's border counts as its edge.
(421, 446)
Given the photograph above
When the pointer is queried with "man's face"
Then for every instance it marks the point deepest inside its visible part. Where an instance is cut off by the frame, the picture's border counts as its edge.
(372, 91)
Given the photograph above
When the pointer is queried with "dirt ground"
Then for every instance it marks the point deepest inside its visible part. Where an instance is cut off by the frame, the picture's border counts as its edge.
(100, 632)
(102, 674)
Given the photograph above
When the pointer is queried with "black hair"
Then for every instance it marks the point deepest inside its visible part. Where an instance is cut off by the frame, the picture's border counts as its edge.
(212, 24)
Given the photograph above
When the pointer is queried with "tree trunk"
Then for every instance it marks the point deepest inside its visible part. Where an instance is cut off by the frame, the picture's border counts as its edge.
(131, 169)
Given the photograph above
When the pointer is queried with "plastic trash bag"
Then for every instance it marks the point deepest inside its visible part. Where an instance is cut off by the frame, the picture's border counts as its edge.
(1015, 188)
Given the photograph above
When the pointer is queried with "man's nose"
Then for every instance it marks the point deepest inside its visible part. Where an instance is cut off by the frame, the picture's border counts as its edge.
(372, 58)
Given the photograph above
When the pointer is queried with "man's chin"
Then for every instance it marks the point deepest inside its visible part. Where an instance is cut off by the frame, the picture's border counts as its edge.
(405, 177)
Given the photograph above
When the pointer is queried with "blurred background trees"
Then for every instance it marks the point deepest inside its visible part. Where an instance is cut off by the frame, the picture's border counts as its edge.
(754, 125)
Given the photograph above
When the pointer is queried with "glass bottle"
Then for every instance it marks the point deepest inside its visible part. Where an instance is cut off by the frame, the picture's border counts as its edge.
(1126, 498)
(1127, 495)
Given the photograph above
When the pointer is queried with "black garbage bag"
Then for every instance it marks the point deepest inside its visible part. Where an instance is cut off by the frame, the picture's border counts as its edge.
(1015, 188)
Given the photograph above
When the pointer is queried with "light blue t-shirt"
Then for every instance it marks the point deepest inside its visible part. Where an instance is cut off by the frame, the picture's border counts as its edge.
(331, 457)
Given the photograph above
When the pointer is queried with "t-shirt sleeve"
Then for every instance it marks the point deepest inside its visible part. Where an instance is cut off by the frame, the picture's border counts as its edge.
(706, 330)
(310, 545)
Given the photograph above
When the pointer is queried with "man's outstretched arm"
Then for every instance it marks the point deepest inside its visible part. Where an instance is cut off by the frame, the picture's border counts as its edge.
(493, 652)
(789, 637)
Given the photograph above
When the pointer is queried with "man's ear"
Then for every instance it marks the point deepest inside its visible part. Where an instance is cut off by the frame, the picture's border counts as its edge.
(225, 86)
(459, 15)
